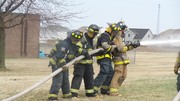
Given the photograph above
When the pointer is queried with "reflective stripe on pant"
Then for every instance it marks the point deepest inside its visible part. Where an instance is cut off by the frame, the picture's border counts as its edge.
(53, 96)
(83, 71)
(104, 89)
(113, 90)
(120, 73)
(61, 80)
(66, 95)
(106, 73)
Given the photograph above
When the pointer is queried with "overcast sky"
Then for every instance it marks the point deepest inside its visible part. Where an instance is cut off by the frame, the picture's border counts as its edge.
(135, 13)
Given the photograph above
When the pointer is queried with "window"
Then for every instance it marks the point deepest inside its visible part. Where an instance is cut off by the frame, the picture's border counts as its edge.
(128, 35)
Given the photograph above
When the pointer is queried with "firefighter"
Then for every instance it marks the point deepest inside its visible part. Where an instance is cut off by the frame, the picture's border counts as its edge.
(104, 58)
(120, 60)
(176, 68)
(62, 53)
(84, 68)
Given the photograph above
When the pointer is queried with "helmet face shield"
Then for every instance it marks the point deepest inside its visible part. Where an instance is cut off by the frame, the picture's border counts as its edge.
(94, 29)
(74, 40)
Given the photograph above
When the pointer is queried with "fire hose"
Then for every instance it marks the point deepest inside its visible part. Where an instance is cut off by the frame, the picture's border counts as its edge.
(49, 76)
(176, 98)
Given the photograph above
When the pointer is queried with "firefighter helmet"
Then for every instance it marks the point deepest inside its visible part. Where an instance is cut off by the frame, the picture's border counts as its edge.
(76, 36)
(113, 28)
(93, 28)
(122, 25)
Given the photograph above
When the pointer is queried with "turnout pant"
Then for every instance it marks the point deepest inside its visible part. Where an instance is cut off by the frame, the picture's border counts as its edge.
(83, 71)
(105, 74)
(61, 80)
(120, 74)
(178, 83)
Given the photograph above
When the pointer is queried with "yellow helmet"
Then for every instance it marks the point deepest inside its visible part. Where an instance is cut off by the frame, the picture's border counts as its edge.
(113, 28)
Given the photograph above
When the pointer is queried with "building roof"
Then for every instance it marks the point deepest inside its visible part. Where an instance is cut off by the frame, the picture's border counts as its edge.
(139, 33)
(169, 34)
(171, 31)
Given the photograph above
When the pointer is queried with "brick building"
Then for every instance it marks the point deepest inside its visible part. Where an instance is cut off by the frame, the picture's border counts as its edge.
(23, 40)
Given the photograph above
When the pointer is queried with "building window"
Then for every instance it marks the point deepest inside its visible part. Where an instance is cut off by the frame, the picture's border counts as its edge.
(148, 36)
(128, 35)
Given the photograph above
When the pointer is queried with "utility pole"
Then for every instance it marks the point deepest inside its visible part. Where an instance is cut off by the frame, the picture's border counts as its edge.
(158, 19)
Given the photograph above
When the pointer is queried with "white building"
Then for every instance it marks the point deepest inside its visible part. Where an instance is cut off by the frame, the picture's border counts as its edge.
(172, 36)
(137, 34)
(52, 33)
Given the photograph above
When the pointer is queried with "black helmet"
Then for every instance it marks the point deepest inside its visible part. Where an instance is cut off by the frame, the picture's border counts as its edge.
(93, 28)
(69, 33)
(76, 36)
(122, 25)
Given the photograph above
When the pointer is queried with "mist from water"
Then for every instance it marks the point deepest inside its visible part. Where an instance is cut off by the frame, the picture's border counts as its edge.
(160, 42)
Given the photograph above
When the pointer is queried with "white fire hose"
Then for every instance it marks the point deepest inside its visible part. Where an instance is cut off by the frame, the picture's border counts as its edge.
(49, 76)
(177, 97)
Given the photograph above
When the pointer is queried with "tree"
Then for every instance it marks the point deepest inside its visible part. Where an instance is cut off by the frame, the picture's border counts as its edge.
(50, 11)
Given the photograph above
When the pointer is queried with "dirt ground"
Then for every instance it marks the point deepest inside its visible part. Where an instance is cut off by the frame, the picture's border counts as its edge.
(154, 66)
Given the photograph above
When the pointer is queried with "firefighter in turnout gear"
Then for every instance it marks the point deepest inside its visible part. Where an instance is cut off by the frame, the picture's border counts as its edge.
(120, 60)
(104, 58)
(84, 68)
(176, 68)
(62, 53)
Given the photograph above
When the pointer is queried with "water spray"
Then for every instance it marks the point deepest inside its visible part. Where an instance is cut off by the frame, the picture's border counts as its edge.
(157, 42)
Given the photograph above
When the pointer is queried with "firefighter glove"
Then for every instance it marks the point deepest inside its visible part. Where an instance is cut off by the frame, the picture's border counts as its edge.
(135, 44)
(129, 43)
(64, 68)
(76, 62)
(48, 55)
(85, 53)
(113, 47)
(176, 70)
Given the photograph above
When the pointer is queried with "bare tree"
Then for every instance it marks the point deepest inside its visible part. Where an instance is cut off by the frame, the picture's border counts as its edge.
(50, 11)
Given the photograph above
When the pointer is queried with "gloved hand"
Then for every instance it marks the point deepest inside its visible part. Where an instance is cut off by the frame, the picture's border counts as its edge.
(135, 44)
(85, 53)
(76, 62)
(48, 55)
(176, 70)
(113, 48)
(129, 43)
(64, 68)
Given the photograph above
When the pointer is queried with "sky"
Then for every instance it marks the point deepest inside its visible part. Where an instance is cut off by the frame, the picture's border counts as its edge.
(135, 13)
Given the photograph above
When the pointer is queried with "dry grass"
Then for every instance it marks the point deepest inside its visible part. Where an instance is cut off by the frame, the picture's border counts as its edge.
(150, 78)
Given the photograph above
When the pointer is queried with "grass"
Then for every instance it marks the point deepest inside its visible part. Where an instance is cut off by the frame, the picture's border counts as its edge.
(4, 69)
(147, 89)
(151, 78)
